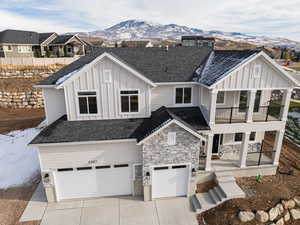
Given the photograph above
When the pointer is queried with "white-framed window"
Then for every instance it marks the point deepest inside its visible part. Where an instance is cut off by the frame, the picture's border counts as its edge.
(24, 48)
(252, 136)
(107, 76)
(256, 71)
(87, 101)
(238, 137)
(221, 97)
(172, 138)
(1, 48)
(183, 95)
(129, 101)
(7, 48)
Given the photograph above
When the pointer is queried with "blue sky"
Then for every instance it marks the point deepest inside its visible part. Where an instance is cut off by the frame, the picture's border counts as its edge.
(263, 17)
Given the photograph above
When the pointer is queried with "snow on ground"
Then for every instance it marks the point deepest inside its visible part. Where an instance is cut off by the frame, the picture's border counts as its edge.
(18, 162)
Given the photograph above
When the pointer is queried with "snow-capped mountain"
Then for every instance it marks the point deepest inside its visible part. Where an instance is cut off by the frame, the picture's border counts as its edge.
(143, 30)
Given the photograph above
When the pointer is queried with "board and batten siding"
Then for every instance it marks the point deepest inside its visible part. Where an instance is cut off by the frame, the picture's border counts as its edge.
(108, 94)
(65, 156)
(243, 79)
(164, 95)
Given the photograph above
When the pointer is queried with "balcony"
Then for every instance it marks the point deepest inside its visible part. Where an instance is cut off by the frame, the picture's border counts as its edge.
(272, 112)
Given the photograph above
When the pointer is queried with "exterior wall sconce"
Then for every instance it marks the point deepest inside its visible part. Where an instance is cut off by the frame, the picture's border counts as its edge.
(194, 173)
(147, 177)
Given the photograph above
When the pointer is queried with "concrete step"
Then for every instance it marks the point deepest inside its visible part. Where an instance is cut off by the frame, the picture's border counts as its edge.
(224, 174)
(195, 203)
(225, 179)
(220, 192)
(214, 196)
(205, 201)
(232, 190)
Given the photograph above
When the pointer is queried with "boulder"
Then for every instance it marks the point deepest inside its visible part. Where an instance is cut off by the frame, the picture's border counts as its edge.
(295, 213)
(280, 222)
(246, 216)
(287, 216)
(297, 200)
(273, 213)
(289, 204)
(280, 208)
(262, 216)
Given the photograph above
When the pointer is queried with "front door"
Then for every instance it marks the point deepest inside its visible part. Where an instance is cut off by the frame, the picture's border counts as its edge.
(215, 149)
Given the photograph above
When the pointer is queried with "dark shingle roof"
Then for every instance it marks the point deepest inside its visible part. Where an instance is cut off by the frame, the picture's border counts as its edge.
(61, 40)
(44, 36)
(219, 63)
(62, 130)
(158, 65)
(19, 37)
(191, 117)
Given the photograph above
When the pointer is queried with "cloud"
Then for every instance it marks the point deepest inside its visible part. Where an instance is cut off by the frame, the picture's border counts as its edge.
(266, 17)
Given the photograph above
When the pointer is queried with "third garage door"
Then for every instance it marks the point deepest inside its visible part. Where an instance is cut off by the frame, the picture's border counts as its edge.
(87, 182)
(170, 181)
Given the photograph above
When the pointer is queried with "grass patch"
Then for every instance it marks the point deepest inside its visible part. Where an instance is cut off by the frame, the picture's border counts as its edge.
(294, 104)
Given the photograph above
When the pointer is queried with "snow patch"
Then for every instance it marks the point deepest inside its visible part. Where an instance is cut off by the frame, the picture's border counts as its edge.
(66, 77)
(18, 161)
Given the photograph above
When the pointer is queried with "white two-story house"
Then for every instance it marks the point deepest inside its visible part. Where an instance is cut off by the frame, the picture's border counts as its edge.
(156, 121)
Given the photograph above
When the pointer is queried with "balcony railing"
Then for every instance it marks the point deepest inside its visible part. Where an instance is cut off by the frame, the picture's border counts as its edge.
(239, 114)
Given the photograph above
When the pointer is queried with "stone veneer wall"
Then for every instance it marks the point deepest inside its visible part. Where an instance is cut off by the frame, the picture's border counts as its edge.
(156, 151)
(27, 73)
(21, 99)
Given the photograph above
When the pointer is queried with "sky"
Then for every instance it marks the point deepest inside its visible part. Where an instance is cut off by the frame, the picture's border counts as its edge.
(275, 18)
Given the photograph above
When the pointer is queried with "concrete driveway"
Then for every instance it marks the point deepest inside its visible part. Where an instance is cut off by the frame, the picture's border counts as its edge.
(110, 211)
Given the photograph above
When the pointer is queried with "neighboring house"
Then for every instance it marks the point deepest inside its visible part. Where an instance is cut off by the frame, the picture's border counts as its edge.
(142, 44)
(198, 41)
(149, 121)
(18, 43)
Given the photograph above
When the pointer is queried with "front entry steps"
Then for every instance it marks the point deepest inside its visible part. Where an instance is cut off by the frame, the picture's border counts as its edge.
(227, 189)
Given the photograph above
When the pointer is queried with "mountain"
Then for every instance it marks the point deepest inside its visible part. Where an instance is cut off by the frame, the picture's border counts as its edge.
(143, 30)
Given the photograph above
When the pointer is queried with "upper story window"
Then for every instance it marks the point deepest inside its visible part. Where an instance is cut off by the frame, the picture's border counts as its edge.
(257, 101)
(129, 101)
(256, 71)
(171, 138)
(87, 102)
(107, 76)
(24, 48)
(7, 48)
(238, 137)
(221, 97)
(183, 95)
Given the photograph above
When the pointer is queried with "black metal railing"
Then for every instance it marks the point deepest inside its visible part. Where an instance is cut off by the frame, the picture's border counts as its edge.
(272, 112)
(264, 156)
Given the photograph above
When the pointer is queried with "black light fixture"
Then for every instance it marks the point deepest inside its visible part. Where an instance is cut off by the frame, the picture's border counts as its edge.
(193, 172)
(147, 174)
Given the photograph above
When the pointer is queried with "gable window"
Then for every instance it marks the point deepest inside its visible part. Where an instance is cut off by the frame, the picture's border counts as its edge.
(87, 102)
(107, 76)
(129, 101)
(221, 97)
(256, 71)
(171, 138)
(238, 137)
(252, 136)
(183, 95)
(257, 101)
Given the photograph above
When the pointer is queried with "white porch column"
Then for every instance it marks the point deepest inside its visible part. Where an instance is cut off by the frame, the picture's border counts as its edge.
(212, 107)
(244, 149)
(286, 102)
(209, 146)
(250, 104)
(277, 146)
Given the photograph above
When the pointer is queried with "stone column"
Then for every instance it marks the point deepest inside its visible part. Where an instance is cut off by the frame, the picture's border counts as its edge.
(244, 150)
(286, 103)
(277, 146)
(250, 104)
(209, 146)
(212, 108)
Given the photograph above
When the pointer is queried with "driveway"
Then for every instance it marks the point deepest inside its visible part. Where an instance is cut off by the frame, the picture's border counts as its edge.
(109, 211)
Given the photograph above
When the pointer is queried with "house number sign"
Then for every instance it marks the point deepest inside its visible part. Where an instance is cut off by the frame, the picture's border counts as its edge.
(92, 161)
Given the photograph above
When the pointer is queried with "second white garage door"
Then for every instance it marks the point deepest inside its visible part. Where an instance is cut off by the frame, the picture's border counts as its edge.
(89, 182)
(170, 181)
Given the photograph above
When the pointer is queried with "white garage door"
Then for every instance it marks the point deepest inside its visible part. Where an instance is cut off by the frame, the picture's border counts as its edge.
(170, 181)
(87, 182)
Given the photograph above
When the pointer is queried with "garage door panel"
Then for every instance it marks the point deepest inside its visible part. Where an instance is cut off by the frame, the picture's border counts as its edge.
(93, 183)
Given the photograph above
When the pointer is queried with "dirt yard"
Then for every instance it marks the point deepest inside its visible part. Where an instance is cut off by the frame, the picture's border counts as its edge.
(261, 196)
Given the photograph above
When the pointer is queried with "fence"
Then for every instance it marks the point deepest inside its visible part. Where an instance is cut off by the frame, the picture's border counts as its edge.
(30, 61)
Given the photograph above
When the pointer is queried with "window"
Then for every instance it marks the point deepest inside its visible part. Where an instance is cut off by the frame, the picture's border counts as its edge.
(256, 71)
(221, 97)
(238, 137)
(121, 165)
(243, 101)
(257, 101)
(129, 101)
(183, 95)
(7, 48)
(24, 48)
(87, 102)
(172, 138)
(1, 49)
(252, 136)
(107, 76)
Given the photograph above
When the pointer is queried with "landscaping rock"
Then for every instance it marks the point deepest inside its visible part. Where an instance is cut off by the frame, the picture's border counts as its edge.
(280, 208)
(295, 213)
(273, 213)
(246, 216)
(297, 200)
(280, 222)
(262, 216)
(287, 216)
(289, 204)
